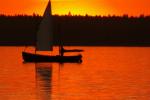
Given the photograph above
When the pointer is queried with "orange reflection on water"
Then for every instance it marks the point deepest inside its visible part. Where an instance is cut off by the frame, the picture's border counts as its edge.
(17, 81)
(107, 73)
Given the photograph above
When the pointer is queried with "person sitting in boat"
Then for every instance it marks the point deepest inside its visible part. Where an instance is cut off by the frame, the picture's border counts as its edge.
(61, 50)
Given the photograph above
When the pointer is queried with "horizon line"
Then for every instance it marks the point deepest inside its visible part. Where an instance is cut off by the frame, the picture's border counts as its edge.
(109, 15)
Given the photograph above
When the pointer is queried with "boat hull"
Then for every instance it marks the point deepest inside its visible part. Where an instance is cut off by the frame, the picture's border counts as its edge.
(29, 57)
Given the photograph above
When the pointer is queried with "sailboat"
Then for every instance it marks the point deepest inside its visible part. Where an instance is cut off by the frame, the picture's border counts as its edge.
(44, 42)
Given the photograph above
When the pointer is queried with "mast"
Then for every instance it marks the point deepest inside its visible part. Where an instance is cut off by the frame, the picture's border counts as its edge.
(60, 45)
(45, 34)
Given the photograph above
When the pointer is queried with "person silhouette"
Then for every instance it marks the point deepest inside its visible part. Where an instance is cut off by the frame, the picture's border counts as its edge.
(61, 50)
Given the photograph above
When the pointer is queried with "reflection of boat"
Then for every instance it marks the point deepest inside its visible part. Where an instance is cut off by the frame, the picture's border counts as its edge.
(44, 43)
(43, 81)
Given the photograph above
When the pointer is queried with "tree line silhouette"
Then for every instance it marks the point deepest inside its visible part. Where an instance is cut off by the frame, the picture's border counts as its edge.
(78, 30)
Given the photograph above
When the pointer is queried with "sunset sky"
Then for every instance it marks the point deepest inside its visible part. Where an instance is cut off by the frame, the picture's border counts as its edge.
(82, 7)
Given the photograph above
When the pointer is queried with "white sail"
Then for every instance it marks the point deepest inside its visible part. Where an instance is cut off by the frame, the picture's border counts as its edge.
(45, 34)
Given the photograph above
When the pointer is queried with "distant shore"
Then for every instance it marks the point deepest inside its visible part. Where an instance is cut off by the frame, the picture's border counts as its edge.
(78, 30)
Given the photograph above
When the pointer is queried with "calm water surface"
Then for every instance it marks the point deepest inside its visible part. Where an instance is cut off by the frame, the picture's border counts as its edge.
(107, 73)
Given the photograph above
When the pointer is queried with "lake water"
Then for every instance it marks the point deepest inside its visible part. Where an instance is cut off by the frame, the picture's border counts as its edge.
(107, 73)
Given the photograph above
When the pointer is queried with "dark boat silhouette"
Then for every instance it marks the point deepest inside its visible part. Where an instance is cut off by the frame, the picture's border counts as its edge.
(29, 57)
(44, 43)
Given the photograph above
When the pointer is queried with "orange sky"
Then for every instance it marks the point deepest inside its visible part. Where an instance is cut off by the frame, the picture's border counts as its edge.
(91, 7)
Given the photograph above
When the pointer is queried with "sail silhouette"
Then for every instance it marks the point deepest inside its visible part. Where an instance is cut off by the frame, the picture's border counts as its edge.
(45, 33)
